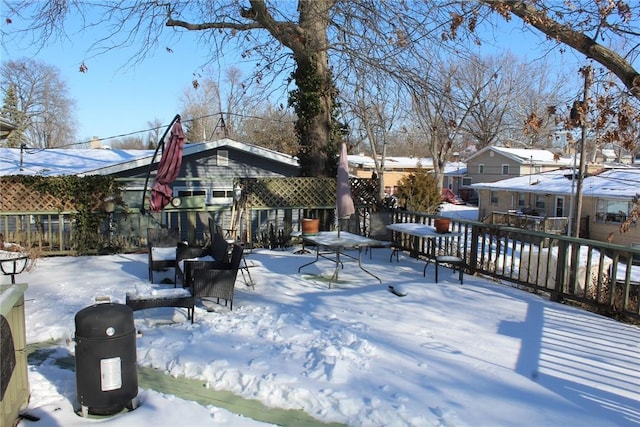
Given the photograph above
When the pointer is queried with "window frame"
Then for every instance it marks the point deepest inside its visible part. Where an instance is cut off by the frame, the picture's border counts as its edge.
(604, 215)
(493, 197)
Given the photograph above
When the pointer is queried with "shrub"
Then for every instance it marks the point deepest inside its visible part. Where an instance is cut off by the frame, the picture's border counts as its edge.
(419, 192)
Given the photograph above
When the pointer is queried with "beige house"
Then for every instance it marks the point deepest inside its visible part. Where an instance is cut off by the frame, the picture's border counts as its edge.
(606, 199)
(395, 168)
(497, 163)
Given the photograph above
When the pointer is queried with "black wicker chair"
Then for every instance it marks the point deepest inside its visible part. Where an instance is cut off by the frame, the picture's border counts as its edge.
(184, 251)
(216, 280)
(220, 248)
(214, 228)
(161, 238)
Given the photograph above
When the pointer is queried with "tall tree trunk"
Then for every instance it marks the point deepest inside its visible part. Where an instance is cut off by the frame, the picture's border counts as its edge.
(313, 100)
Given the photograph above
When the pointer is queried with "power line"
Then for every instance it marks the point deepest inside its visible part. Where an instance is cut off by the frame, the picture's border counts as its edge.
(220, 124)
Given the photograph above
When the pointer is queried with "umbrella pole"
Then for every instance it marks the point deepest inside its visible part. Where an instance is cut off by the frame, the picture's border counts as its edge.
(160, 143)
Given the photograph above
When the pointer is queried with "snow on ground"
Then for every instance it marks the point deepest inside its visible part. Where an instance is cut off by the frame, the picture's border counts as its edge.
(478, 354)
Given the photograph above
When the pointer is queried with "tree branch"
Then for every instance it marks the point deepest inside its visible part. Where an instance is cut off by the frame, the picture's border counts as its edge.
(212, 25)
(575, 39)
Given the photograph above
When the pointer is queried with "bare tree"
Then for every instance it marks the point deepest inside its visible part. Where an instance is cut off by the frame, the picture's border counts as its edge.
(373, 103)
(581, 25)
(271, 127)
(440, 109)
(308, 33)
(153, 136)
(201, 108)
(510, 93)
(46, 118)
(128, 143)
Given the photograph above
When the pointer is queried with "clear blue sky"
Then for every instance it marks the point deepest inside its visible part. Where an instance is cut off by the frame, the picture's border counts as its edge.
(114, 98)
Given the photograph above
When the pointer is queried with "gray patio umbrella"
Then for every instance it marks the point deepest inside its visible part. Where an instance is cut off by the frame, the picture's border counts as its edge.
(344, 201)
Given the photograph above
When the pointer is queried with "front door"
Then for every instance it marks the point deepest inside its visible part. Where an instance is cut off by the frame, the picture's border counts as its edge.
(560, 206)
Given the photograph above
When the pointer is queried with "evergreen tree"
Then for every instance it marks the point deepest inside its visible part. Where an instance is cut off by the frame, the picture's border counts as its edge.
(12, 113)
(418, 192)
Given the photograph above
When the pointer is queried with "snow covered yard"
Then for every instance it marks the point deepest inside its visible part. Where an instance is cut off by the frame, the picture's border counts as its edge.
(478, 354)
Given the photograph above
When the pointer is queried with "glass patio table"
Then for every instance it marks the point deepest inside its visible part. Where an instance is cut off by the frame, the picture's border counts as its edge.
(331, 246)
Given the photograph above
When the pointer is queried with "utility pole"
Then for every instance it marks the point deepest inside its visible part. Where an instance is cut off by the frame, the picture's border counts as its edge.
(587, 72)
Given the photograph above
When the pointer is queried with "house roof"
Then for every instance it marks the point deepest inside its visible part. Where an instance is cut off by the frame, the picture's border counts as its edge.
(455, 169)
(527, 156)
(619, 183)
(6, 126)
(391, 162)
(76, 161)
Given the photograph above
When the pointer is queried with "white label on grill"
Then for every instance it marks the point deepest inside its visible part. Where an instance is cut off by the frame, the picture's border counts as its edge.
(110, 374)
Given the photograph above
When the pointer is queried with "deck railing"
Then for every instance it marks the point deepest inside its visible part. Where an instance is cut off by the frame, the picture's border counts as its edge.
(554, 225)
(598, 275)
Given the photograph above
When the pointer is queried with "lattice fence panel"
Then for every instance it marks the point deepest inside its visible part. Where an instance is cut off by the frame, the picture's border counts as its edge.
(304, 192)
(17, 197)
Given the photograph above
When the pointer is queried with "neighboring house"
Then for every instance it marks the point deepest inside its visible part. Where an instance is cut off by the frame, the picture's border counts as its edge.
(454, 174)
(396, 168)
(606, 199)
(497, 163)
(208, 168)
(6, 126)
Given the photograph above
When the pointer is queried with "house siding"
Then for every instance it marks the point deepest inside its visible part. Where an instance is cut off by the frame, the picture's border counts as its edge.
(600, 231)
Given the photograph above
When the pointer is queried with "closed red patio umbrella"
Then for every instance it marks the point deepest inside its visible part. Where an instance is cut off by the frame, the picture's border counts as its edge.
(168, 169)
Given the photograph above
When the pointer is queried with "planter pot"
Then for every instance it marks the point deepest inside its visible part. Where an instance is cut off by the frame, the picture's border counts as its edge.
(442, 225)
(310, 226)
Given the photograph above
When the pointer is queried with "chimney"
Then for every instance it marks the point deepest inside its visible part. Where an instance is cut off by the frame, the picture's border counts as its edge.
(95, 143)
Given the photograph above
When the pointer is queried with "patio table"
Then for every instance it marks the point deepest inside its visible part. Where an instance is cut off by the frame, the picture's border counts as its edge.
(422, 231)
(332, 247)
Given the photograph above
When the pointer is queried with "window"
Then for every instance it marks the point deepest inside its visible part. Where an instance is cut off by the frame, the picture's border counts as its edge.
(505, 169)
(540, 201)
(615, 211)
(537, 169)
(222, 158)
(494, 197)
(466, 181)
(212, 196)
(481, 169)
(521, 200)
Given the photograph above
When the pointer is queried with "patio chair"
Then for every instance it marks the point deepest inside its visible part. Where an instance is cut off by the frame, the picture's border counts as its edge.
(378, 222)
(217, 281)
(219, 248)
(184, 252)
(161, 247)
(218, 236)
(215, 228)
